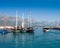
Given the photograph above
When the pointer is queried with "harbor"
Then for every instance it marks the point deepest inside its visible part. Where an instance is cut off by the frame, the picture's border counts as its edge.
(29, 23)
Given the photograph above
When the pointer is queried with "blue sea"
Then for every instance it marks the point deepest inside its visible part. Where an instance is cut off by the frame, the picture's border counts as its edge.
(38, 39)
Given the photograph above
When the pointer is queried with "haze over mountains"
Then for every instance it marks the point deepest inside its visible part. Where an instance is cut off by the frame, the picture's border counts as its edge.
(11, 21)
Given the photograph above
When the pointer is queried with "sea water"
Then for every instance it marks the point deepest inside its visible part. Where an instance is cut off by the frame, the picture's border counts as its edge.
(38, 39)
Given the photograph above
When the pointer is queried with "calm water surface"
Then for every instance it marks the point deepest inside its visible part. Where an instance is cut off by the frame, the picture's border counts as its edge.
(26, 40)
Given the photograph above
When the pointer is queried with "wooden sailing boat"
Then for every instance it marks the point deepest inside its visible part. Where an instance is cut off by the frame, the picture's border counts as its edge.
(30, 28)
(16, 28)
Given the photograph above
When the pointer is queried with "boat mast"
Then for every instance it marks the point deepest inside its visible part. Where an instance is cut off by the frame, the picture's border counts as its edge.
(30, 20)
(23, 20)
(16, 19)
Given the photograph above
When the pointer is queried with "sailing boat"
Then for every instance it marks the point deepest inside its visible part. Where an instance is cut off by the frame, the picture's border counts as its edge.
(16, 29)
(30, 28)
(23, 25)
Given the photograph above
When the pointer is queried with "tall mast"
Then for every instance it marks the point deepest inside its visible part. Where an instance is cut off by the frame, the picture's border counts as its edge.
(16, 19)
(23, 20)
(30, 20)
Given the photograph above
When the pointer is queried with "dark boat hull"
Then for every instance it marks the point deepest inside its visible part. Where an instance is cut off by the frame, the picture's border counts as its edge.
(30, 30)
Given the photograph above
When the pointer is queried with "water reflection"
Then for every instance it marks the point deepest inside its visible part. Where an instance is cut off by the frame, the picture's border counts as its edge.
(30, 40)
(23, 40)
(15, 36)
(38, 39)
(3, 40)
(16, 41)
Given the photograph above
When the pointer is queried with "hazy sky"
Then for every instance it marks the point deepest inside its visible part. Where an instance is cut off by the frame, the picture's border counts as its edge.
(41, 9)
